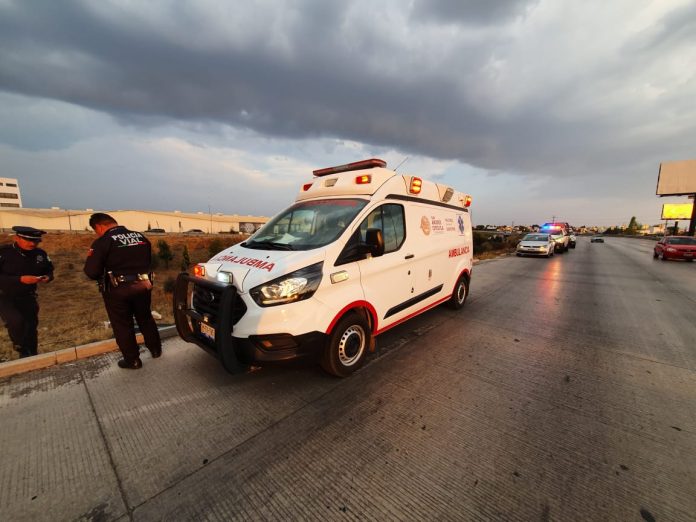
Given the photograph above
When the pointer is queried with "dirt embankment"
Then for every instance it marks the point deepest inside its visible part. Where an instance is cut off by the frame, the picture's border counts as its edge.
(72, 311)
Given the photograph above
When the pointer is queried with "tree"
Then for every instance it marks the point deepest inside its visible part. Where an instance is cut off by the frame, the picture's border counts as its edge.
(632, 226)
(164, 252)
(185, 260)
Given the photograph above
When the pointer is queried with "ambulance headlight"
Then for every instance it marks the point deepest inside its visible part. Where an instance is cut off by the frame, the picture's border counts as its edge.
(289, 288)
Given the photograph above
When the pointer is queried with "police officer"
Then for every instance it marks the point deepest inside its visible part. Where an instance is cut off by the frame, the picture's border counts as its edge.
(120, 260)
(22, 267)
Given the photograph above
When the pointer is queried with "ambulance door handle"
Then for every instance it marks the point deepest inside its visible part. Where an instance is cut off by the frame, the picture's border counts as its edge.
(410, 256)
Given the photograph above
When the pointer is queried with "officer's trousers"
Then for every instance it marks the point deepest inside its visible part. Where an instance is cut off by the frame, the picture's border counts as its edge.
(21, 317)
(124, 302)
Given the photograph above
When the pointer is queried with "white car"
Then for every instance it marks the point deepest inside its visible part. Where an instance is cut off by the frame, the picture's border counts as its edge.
(536, 245)
(572, 239)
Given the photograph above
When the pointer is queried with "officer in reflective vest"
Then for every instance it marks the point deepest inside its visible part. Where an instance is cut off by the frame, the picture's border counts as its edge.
(120, 260)
(23, 266)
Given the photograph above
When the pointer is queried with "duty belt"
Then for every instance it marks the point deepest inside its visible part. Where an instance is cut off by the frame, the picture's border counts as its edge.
(132, 277)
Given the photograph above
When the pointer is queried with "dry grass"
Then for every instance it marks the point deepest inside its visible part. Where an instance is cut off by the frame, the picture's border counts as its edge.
(72, 311)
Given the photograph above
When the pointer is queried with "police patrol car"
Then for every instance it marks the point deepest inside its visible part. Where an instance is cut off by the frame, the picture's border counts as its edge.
(361, 250)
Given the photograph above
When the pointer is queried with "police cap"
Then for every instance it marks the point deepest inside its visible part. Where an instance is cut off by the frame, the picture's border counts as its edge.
(29, 233)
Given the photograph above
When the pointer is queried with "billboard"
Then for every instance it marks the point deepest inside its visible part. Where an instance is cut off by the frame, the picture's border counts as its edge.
(249, 228)
(677, 211)
(676, 178)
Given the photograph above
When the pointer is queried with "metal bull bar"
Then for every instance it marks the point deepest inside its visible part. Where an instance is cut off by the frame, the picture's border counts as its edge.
(188, 320)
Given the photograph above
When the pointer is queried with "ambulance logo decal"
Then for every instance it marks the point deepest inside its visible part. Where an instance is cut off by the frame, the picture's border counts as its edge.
(460, 222)
(425, 225)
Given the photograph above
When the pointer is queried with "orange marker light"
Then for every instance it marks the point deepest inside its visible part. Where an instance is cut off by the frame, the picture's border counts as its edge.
(306, 186)
(467, 200)
(416, 185)
(199, 271)
(364, 179)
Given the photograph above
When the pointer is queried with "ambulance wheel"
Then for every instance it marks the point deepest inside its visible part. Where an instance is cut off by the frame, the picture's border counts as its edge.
(347, 347)
(461, 291)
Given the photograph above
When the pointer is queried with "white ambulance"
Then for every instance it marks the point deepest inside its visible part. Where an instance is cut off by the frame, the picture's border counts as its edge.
(363, 249)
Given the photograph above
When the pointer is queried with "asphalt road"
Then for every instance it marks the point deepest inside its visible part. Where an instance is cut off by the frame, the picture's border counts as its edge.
(564, 390)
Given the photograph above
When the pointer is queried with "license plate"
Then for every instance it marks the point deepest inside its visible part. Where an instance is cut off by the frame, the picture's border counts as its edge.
(688, 254)
(208, 331)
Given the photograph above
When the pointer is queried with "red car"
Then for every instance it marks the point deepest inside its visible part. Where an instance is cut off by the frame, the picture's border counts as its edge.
(676, 247)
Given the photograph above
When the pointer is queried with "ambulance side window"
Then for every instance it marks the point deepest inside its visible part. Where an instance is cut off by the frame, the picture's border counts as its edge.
(390, 220)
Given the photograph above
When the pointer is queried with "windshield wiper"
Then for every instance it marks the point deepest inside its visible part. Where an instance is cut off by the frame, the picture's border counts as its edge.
(270, 245)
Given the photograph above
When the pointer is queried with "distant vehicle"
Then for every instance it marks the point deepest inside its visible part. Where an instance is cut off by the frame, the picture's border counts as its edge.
(194, 231)
(156, 231)
(572, 240)
(559, 232)
(536, 245)
(675, 247)
(596, 239)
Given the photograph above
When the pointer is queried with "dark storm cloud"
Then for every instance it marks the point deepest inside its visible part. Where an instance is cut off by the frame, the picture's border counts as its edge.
(62, 51)
(469, 11)
(455, 87)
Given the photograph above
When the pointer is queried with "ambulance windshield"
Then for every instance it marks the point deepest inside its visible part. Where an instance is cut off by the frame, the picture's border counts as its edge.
(307, 225)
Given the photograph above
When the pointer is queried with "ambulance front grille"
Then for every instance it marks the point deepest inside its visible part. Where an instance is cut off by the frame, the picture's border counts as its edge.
(206, 302)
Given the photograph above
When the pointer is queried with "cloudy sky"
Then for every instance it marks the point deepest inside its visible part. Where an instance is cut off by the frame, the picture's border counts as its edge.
(537, 108)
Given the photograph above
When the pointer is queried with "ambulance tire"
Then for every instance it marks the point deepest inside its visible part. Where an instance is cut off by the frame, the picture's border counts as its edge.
(461, 291)
(347, 346)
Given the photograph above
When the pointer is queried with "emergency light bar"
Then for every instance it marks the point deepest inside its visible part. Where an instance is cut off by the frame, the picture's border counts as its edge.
(358, 165)
(467, 200)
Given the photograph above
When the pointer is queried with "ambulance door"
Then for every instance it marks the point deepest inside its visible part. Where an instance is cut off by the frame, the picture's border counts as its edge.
(429, 242)
(387, 280)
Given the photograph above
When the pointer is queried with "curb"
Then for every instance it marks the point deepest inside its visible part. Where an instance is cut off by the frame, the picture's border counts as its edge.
(45, 360)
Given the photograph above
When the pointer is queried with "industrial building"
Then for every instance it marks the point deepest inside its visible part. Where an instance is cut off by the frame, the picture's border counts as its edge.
(10, 196)
(56, 219)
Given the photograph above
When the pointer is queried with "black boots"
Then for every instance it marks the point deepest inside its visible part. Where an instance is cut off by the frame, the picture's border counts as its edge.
(135, 364)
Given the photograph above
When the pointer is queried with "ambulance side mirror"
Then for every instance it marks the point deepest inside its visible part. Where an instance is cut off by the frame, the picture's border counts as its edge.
(374, 241)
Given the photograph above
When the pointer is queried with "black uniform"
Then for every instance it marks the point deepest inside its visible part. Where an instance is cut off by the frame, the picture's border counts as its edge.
(127, 255)
(18, 306)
